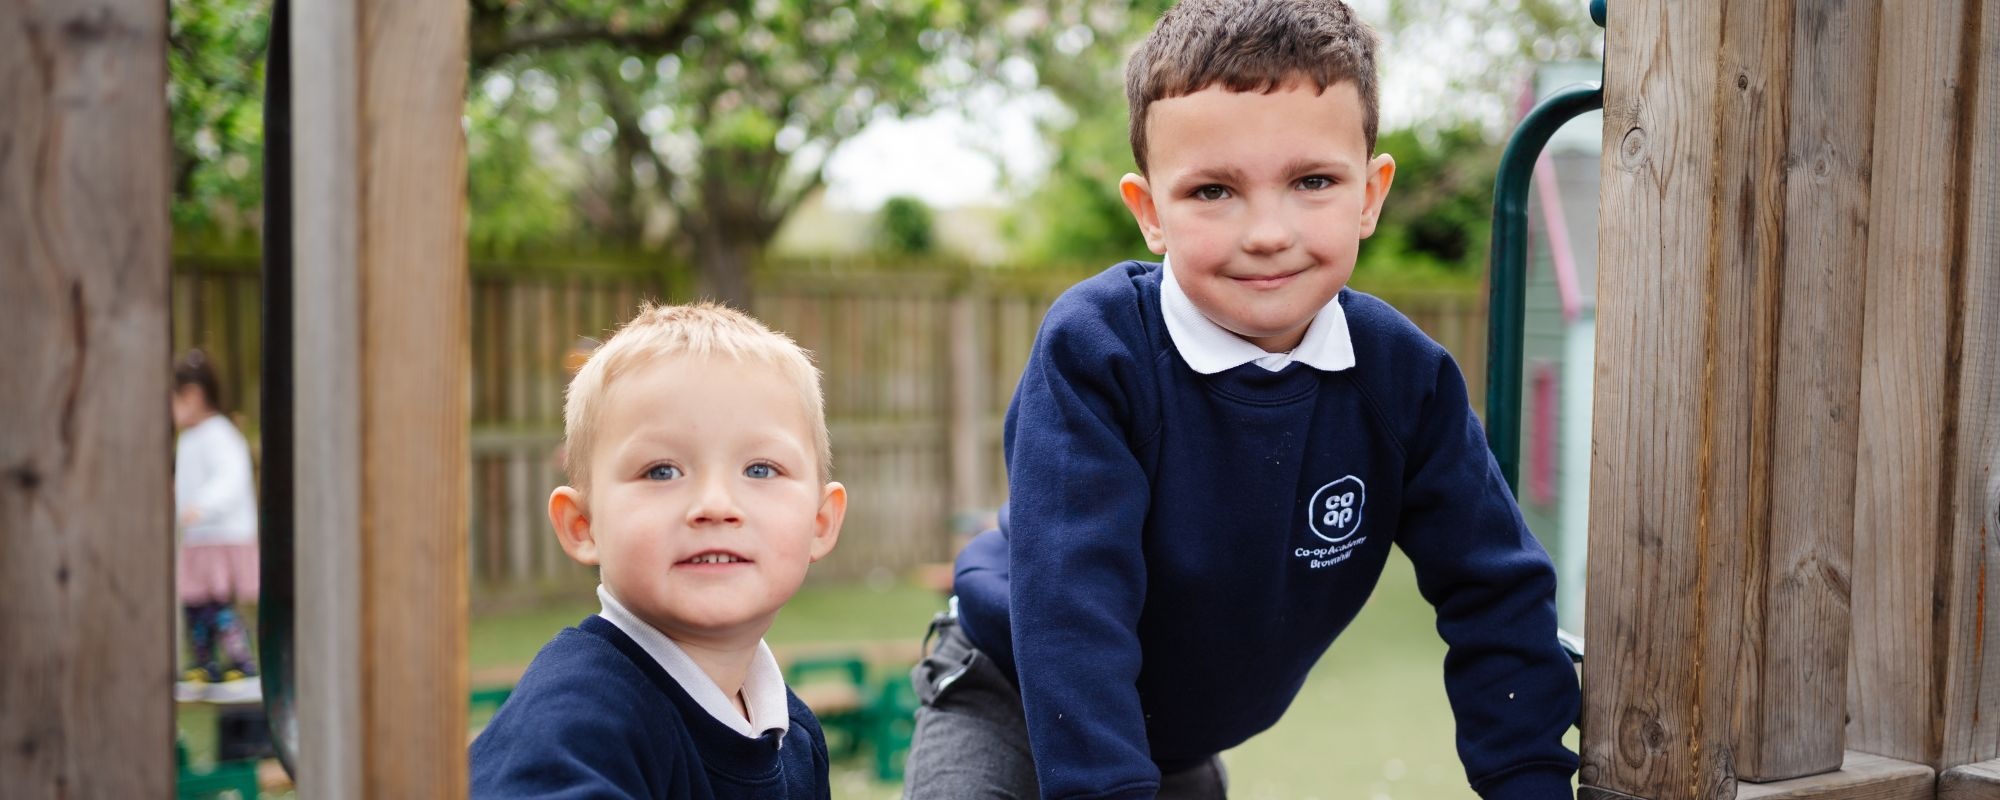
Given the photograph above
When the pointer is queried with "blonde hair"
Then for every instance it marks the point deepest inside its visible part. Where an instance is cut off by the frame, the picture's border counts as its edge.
(699, 330)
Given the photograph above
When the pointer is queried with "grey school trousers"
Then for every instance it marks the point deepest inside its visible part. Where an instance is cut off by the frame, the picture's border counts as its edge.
(971, 739)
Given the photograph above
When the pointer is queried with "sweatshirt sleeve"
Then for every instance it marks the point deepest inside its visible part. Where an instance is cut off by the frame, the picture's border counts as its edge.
(1512, 690)
(1077, 505)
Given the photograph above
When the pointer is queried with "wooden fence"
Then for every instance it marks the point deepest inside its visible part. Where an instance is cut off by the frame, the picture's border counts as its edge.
(919, 365)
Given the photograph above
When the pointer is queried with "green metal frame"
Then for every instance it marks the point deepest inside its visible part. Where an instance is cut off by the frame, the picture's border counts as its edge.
(1506, 306)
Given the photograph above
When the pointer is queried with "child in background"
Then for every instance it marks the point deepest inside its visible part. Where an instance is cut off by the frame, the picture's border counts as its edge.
(699, 467)
(1209, 457)
(215, 510)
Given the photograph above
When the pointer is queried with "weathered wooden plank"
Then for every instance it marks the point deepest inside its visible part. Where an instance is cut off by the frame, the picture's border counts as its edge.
(1728, 373)
(1743, 290)
(1802, 466)
(86, 520)
(1654, 721)
(1976, 781)
(1861, 777)
(1913, 249)
(1969, 631)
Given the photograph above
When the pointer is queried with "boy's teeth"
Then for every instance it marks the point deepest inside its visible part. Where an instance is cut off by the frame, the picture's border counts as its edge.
(714, 558)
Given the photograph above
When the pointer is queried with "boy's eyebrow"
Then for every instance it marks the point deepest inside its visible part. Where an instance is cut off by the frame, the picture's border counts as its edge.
(1208, 175)
(1309, 165)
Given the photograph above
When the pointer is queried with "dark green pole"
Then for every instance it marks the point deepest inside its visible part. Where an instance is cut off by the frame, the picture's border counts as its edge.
(1507, 298)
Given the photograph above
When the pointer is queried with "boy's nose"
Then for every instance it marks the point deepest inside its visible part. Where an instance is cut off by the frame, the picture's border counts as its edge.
(714, 505)
(1267, 234)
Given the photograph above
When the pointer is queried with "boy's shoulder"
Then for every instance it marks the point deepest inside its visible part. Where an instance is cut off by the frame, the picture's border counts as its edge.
(583, 715)
(585, 672)
(1116, 309)
(1389, 349)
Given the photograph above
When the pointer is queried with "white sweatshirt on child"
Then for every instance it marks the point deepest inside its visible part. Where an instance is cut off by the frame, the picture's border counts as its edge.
(212, 476)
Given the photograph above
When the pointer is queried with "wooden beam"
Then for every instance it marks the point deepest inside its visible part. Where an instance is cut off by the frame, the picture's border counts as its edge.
(1737, 161)
(1926, 679)
(1979, 781)
(381, 303)
(1969, 632)
(1861, 777)
(86, 508)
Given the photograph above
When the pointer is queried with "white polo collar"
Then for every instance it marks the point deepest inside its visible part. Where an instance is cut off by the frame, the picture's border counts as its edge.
(763, 685)
(1210, 348)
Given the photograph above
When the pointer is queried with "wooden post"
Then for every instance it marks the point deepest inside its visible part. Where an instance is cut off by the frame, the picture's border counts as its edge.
(1737, 164)
(1926, 680)
(382, 359)
(86, 446)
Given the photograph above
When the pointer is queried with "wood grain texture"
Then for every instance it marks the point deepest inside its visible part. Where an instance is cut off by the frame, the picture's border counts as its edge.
(1969, 633)
(86, 447)
(1861, 777)
(414, 369)
(1660, 585)
(1977, 781)
(1804, 334)
(1903, 497)
(1737, 171)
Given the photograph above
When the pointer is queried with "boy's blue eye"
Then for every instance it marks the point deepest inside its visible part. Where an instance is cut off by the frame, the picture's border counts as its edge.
(760, 471)
(1315, 183)
(662, 472)
(1211, 192)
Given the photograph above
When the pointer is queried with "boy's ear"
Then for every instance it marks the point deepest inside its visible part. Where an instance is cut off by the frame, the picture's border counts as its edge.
(826, 524)
(1381, 173)
(572, 524)
(1138, 196)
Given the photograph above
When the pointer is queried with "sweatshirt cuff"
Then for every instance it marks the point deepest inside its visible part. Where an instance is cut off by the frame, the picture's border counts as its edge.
(1530, 784)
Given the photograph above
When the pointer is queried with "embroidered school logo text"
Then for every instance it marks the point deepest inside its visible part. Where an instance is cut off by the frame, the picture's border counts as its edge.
(1336, 509)
(1335, 516)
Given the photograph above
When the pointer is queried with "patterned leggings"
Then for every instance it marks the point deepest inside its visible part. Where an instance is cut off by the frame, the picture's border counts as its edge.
(211, 624)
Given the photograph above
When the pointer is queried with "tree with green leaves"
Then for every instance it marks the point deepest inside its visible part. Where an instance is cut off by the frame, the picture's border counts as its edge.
(215, 69)
(718, 119)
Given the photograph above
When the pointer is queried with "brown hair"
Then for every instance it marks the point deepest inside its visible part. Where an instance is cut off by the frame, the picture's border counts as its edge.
(1251, 46)
(194, 369)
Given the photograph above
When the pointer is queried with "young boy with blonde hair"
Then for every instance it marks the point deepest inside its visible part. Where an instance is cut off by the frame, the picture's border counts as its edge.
(700, 487)
(1209, 458)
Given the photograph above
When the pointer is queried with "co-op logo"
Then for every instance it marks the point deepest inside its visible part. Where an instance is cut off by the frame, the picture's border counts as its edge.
(1335, 513)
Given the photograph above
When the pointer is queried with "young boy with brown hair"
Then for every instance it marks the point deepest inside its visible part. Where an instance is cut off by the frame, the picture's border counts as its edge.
(1209, 458)
(700, 488)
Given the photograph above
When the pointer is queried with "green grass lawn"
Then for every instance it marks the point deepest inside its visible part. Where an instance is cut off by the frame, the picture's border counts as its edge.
(1372, 721)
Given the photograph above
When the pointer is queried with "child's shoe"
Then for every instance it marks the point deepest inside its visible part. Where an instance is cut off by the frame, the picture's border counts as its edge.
(195, 682)
(239, 684)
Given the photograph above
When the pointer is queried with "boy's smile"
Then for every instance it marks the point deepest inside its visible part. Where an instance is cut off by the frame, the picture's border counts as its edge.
(706, 503)
(1260, 200)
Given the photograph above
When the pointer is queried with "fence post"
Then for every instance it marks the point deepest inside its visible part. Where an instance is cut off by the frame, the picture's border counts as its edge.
(967, 337)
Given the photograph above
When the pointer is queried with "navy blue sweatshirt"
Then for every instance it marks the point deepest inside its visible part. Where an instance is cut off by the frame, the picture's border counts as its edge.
(596, 717)
(1179, 549)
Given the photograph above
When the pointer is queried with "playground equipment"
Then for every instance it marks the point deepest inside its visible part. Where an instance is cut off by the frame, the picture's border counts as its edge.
(1794, 500)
